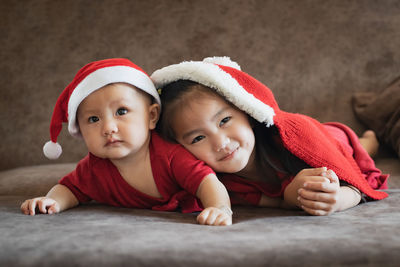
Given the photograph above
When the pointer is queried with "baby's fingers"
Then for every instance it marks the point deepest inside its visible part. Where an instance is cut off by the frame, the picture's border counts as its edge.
(25, 207)
(53, 209)
(214, 216)
(207, 217)
(44, 203)
(211, 218)
(223, 220)
(32, 206)
(29, 206)
(202, 217)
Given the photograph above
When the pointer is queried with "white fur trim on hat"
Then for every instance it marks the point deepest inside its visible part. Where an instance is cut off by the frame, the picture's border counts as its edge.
(103, 77)
(213, 76)
(224, 61)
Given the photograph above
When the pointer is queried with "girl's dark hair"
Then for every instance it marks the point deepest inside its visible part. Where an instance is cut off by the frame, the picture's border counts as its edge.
(271, 152)
(171, 97)
(268, 152)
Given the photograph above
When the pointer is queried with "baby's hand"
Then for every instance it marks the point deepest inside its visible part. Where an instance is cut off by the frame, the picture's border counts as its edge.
(320, 197)
(44, 205)
(215, 216)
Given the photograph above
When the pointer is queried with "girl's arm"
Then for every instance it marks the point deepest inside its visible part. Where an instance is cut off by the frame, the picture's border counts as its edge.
(58, 199)
(351, 197)
(216, 202)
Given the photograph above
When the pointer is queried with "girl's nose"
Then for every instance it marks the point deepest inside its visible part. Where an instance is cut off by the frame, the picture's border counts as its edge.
(110, 127)
(221, 142)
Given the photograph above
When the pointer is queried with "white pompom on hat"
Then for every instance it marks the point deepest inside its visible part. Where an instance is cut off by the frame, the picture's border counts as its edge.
(90, 78)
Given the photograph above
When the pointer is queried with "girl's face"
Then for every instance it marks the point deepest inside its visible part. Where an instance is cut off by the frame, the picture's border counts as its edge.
(215, 131)
(115, 121)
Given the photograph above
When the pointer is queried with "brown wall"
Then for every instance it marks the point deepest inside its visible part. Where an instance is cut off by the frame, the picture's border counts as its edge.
(313, 54)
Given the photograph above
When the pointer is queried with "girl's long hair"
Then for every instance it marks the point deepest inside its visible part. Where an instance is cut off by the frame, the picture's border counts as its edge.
(269, 153)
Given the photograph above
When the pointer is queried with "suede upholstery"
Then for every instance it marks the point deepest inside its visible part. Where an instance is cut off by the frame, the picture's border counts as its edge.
(314, 55)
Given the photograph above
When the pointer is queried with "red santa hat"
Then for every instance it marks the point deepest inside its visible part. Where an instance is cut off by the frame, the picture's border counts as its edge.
(223, 75)
(90, 78)
(303, 136)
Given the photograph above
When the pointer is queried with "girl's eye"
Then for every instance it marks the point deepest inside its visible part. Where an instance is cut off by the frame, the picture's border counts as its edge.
(197, 139)
(122, 111)
(93, 119)
(224, 120)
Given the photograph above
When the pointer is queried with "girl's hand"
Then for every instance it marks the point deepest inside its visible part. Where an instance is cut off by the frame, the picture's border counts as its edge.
(44, 204)
(320, 197)
(290, 195)
(215, 216)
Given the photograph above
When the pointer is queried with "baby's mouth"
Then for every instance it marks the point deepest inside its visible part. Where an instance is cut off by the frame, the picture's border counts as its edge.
(112, 141)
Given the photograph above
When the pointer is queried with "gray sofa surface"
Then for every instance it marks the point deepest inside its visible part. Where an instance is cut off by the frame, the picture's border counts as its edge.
(314, 55)
(92, 235)
(100, 235)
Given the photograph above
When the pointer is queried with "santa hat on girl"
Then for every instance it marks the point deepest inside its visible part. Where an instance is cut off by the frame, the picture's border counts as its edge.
(90, 78)
(303, 136)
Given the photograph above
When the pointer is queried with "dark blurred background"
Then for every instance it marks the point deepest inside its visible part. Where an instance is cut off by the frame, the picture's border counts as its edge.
(313, 54)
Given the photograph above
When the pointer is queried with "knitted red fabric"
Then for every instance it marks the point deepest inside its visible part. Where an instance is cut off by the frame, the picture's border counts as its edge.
(307, 139)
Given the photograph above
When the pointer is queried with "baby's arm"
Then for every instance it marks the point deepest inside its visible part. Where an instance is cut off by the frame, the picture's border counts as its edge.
(58, 199)
(216, 202)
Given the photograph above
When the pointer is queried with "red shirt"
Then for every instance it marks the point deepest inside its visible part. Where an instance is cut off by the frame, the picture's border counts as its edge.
(177, 174)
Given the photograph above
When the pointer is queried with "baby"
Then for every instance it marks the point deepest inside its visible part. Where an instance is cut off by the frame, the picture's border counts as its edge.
(113, 105)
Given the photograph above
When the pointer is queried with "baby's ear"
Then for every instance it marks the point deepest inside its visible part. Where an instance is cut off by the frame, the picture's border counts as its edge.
(154, 115)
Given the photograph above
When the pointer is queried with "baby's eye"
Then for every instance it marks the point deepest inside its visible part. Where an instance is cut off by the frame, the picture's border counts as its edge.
(197, 139)
(224, 120)
(122, 111)
(93, 119)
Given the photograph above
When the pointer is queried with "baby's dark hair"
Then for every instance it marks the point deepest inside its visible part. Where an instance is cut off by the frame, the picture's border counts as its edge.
(175, 95)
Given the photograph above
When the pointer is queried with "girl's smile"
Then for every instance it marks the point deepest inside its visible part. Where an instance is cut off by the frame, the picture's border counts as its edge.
(229, 155)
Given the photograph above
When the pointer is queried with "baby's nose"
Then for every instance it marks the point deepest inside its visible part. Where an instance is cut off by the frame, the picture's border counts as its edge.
(110, 127)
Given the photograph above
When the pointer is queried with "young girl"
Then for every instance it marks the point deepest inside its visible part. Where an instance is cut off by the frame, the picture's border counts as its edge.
(265, 156)
(114, 106)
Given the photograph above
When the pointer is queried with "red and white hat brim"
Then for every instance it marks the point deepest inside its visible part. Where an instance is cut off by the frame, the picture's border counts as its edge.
(103, 77)
(208, 73)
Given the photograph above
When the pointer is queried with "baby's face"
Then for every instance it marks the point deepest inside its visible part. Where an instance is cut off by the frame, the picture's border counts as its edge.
(216, 132)
(115, 121)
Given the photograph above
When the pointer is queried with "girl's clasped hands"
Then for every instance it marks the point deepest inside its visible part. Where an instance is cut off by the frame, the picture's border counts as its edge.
(319, 191)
